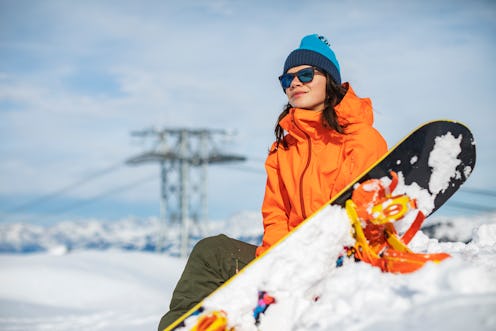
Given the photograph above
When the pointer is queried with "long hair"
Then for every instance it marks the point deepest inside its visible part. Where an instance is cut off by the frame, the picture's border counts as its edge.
(334, 95)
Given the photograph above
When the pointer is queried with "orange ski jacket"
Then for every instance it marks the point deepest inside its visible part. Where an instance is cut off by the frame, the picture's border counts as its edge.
(318, 163)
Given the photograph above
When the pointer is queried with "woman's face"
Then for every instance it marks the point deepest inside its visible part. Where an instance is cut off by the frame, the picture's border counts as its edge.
(311, 95)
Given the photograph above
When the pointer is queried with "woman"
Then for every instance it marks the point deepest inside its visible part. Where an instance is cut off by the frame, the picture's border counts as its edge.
(324, 140)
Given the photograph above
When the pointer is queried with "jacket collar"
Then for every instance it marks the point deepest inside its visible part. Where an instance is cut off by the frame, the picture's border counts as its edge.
(301, 123)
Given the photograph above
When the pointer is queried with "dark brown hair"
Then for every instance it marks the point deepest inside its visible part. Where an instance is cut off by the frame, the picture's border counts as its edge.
(334, 95)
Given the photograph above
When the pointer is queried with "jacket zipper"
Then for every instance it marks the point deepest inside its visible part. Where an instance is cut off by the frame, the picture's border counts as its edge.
(302, 201)
(340, 165)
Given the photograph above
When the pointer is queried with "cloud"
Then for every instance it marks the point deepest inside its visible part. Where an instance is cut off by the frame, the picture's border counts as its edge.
(77, 78)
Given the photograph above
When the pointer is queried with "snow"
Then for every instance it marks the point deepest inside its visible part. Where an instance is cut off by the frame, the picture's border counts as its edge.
(358, 296)
(85, 290)
(117, 289)
(276, 273)
(443, 160)
(96, 276)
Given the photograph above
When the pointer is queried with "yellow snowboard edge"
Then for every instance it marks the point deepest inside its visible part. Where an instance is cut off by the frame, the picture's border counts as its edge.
(198, 305)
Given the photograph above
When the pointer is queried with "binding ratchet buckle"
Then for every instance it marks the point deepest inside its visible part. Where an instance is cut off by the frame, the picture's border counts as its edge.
(372, 211)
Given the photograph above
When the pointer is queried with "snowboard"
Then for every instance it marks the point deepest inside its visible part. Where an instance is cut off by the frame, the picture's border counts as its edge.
(410, 182)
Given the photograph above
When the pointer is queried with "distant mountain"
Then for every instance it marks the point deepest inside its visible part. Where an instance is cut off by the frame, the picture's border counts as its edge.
(151, 235)
(127, 234)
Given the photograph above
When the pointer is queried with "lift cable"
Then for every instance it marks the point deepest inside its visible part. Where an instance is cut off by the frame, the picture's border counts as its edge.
(113, 191)
(65, 189)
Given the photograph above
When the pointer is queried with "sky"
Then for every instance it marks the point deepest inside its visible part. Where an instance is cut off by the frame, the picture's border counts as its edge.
(77, 78)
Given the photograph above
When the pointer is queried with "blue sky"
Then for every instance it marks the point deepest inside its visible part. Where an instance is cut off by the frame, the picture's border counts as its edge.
(77, 77)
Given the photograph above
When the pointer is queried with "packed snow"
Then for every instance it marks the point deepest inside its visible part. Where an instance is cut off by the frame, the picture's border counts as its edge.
(443, 161)
(85, 290)
(123, 289)
(312, 294)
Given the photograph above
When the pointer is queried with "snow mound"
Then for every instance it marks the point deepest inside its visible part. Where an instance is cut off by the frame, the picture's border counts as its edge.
(116, 289)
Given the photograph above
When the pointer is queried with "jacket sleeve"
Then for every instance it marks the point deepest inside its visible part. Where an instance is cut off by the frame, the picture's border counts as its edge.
(274, 206)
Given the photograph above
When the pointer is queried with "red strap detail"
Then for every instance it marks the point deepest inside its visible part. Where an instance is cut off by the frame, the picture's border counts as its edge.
(414, 228)
(394, 182)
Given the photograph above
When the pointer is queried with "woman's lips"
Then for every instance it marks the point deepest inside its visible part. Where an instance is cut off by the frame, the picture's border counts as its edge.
(297, 94)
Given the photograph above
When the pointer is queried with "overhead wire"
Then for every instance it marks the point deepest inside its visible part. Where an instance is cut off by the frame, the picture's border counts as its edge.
(107, 170)
(116, 190)
(65, 189)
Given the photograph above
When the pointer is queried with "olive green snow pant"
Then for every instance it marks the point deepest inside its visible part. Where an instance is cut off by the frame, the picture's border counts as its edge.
(212, 262)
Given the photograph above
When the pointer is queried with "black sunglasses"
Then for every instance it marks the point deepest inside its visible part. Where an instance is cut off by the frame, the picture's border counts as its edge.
(304, 75)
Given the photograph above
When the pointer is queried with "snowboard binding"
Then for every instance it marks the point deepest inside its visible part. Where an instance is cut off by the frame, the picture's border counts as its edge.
(217, 320)
(372, 211)
(213, 321)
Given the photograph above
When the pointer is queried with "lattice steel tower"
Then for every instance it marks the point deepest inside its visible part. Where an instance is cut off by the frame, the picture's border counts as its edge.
(183, 155)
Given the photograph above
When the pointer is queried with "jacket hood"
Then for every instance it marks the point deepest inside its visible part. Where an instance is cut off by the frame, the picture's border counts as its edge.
(352, 110)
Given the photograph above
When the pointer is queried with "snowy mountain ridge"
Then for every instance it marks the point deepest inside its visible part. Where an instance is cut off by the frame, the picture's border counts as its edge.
(144, 234)
(128, 234)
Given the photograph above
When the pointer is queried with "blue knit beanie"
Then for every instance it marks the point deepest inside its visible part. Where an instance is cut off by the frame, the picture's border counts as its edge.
(316, 51)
